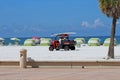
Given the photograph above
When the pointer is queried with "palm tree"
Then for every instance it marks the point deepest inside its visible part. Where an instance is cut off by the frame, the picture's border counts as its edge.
(111, 8)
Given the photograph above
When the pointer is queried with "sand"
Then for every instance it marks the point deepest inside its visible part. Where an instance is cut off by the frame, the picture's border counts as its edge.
(42, 53)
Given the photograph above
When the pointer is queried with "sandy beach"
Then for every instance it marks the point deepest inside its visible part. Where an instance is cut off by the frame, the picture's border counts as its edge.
(41, 53)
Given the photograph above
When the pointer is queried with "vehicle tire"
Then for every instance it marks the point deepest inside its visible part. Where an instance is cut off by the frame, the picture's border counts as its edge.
(72, 47)
(51, 48)
(57, 49)
(66, 48)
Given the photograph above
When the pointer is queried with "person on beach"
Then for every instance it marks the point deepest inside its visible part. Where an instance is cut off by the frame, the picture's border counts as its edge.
(61, 40)
(2, 43)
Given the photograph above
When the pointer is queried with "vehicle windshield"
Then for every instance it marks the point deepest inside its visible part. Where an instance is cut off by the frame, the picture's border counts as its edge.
(60, 37)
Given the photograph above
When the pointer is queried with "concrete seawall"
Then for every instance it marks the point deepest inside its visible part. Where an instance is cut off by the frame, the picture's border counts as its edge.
(63, 63)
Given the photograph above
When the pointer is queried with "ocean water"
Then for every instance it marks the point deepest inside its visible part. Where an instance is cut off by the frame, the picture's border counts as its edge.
(102, 38)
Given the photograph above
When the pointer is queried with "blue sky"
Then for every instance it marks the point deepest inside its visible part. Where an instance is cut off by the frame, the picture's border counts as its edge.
(27, 18)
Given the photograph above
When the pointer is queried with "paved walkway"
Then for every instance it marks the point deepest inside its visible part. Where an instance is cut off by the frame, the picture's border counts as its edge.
(15, 73)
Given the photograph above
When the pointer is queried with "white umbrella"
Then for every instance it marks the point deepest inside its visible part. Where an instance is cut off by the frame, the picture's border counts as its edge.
(15, 39)
(2, 39)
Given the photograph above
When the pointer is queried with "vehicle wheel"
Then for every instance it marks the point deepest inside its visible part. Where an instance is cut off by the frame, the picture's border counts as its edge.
(57, 49)
(66, 48)
(72, 47)
(51, 48)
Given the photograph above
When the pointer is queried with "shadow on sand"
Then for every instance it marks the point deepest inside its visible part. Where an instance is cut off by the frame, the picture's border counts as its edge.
(32, 63)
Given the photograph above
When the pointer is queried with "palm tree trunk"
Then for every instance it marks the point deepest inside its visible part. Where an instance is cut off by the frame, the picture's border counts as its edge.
(111, 46)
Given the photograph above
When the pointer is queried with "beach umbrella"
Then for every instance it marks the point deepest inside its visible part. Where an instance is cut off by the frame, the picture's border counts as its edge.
(15, 39)
(94, 42)
(107, 42)
(80, 40)
(35, 37)
(2, 39)
(29, 42)
(45, 41)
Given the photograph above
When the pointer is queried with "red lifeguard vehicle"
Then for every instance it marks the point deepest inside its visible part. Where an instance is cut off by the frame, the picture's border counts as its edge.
(62, 42)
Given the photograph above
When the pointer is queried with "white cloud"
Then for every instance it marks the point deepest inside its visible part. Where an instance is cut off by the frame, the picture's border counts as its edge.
(85, 24)
(96, 23)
